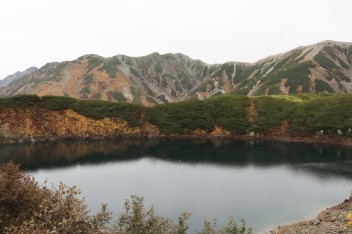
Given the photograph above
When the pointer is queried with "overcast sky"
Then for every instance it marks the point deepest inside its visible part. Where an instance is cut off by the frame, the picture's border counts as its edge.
(39, 31)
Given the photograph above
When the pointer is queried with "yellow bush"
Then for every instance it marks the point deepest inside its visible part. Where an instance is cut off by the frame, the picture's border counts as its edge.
(349, 218)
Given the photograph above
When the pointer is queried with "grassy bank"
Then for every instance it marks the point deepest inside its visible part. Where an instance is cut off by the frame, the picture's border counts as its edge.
(277, 115)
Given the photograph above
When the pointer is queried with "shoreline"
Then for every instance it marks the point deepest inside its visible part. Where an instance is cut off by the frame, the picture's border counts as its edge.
(311, 216)
(313, 139)
(341, 141)
(330, 220)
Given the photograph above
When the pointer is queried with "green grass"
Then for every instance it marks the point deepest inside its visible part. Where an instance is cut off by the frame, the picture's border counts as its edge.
(300, 97)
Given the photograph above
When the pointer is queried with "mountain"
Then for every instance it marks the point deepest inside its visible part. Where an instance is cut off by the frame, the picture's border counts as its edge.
(322, 67)
(148, 80)
(8, 79)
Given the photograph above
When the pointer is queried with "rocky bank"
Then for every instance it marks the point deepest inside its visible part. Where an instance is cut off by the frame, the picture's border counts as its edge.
(331, 220)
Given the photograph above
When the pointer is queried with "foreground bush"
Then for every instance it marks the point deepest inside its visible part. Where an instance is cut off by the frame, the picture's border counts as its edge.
(27, 207)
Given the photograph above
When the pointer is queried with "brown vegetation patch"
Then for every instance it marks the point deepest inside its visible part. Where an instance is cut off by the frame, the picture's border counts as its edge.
(220, 131)
(251, 112)
(33, 123)
(282, 130)
(145, 102)
(284, 89)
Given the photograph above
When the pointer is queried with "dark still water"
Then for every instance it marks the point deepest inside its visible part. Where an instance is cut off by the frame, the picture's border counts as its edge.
(265, 183)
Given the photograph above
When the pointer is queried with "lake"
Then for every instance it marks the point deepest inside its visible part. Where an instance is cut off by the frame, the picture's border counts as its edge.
(266, 183)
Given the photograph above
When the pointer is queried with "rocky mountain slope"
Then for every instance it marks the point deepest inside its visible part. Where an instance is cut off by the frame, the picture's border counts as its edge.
(8, 79)
(152, 79)
(322, 67)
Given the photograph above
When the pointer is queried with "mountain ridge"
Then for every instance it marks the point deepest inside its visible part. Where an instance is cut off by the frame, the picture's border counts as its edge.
(8, 79)
(158, 78)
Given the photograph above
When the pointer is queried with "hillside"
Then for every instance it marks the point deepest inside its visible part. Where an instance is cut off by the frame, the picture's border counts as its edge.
(154, 79)
(323, 67)
(8, 79)
(312, 116)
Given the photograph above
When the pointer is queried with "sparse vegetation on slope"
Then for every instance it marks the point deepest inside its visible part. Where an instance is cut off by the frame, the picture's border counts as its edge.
(110, 66)
(94, 61)
(297, 79)
(178, 77)
(322, 86)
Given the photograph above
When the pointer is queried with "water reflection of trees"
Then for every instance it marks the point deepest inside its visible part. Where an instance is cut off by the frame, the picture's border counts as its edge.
(223, 152)
(55, 154)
